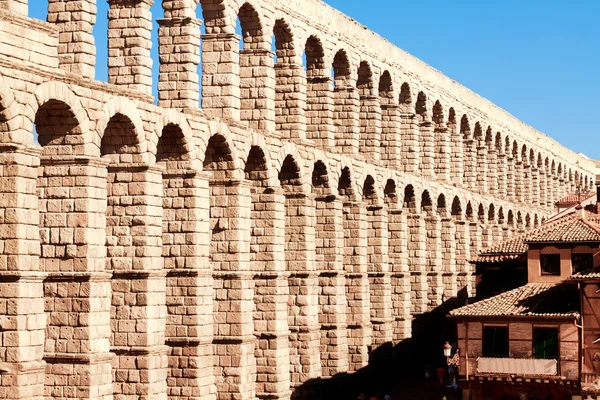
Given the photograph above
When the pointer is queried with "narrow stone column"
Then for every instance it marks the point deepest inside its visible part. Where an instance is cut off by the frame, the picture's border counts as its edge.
(267, 256)
(72, 203)
(329, 235)
(526, 183)
(417, 262)
(502, 175)
(543, 186)
(448, 256)
(486, 235)
(410, 142)
(257, 89)
(75, 21)
(303, 309)
(221, 76)
(320, 112)
(496, 233)
(433, 249)
(443, 154)
(357, 284)
(129, 44)
(179, 55)
(234, 340)
(379, 274)
(345, 118)
(134, 249)
(398, 258)
(535, 186)
(15, 6)
(475, 234)
(21, 282)
(457, 159)
(518, 178)
(463, 252)
(555, 189)
(189, 293)
(427, 145)
(510, 178)
(391, 145)
(470, 159)
(550, 188)
(290, 101)
(492, 171)
(370, 128)
(481, 168)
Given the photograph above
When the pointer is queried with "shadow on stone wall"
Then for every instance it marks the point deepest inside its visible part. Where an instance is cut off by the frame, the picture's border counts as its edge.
(395, 368)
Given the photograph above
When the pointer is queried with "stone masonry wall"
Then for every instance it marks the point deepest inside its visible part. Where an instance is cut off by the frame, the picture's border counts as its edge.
(298, 219)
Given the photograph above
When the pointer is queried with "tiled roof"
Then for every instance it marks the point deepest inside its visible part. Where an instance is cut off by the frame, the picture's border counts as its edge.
(575, 198)
(533, 299)
(569, 228)
(593, 273)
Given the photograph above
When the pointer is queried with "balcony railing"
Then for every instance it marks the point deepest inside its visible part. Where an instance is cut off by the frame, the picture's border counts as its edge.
(517, 366)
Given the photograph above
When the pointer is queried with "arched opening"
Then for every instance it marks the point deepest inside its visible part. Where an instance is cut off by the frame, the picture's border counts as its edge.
(319, 96)
(390, 146)
(481, 165)
(346, 105)
(441, 143)
(370, 114)
(433, 251)
(426, 135)
(448, 246)
(457, 147)
(469, 153)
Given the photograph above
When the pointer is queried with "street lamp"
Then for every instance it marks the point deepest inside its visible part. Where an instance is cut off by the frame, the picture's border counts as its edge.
(447, 350)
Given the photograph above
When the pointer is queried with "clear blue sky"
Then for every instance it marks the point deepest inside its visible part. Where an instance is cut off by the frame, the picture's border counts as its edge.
(538, 59)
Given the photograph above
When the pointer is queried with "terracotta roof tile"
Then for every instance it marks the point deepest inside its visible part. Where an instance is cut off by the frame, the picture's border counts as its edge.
(574, 198)
(533, 299)
(593, 273)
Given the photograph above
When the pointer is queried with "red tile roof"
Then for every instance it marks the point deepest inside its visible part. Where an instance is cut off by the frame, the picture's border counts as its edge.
(533, 299)
(575, 198)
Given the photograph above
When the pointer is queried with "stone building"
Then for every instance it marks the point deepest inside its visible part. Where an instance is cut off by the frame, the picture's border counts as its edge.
(276, 233)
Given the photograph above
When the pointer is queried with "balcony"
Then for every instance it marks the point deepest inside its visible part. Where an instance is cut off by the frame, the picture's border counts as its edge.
(516, 366)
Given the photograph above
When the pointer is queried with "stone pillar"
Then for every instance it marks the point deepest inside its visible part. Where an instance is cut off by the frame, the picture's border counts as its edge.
(457, 160)
(492, 171)
(129, 44)
(257, 89)
(535, 186)
(75, 21)
(179, 55)
(358, 315)
(417, 262)
(463, 252)
(345, 117)
(290, 101)
(138, 310)
(433, 249)
(427, 146)
(189, 293)
(303, 309)
(501, 173)
(391, 145)
(267, 256)
(320, 111)
(510, 178)
(234, 341)
(370, 128)
(329, 235)
(21, 282)
(378, 269)
(410, 142)
(443, 154)
(398, 258)
(475, 234)
(448, 247)
(555, 189)
(486, 234)
(543, 186)
(527, 182)
(72, 204)
(481, 168)
(15, 6)
(221, 76)
(518, 178)
(470, 157)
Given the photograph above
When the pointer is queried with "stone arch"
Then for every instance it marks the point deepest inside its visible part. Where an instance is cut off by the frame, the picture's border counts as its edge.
(405, 98)
(441, 206)
(285, 49)
(315, 57)
(481, 213)
(217, 16)
(369, 190)
(257, 167)
(220, 159)
(422, 107)
(288, 150)
(456, 210)
(9, 113)
(501, 217)
(491, 215)
(527, 221)
(465, 127)
(426, 203)
(172, 130)
(510, 220)
(250, 19)
(320, 179)
(386, 89)
(364, 82)
(121, 120)
(341, 69)
(391, 195)
(410, 200)
(438, 115)
(345, 186)
(469, 211)
(536, 221)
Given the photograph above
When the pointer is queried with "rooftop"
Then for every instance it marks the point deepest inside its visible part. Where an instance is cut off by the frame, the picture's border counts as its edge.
(531, 300)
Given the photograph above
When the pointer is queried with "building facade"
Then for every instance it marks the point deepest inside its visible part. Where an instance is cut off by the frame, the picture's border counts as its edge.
(274, 234)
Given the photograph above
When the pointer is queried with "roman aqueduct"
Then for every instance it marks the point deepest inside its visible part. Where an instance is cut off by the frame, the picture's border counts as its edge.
(320, 196)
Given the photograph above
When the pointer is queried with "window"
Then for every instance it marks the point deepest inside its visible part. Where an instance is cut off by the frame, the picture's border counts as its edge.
(582, 261)
(495, 341)
(545, 343)
(550, 264)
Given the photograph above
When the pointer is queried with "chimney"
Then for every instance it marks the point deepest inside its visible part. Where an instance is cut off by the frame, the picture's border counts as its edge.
(580, 211)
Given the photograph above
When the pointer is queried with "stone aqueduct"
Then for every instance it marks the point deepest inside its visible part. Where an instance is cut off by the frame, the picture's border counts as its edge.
(235, 250)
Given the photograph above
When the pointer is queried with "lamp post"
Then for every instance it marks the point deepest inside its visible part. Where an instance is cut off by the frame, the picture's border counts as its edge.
(447, 350)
